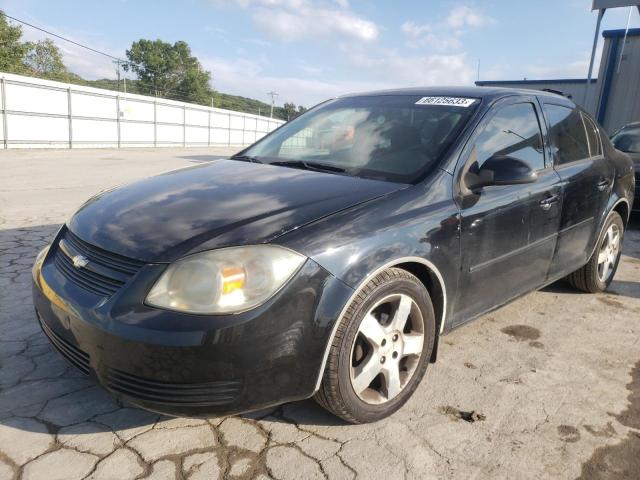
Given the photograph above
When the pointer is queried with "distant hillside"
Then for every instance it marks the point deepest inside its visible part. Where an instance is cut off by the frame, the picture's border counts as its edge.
(220, 100)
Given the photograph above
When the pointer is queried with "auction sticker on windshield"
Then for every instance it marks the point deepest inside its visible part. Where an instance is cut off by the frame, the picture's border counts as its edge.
(451, 101)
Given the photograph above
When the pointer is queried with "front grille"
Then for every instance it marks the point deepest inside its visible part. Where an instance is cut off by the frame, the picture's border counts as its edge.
(104, 273)
(176, 394)
(102, 257)
(73, 354)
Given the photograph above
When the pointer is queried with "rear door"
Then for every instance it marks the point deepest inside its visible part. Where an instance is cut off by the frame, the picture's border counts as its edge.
(586, 178)
(508, 232)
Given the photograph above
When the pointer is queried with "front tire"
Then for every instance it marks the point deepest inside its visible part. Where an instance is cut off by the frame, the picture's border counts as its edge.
(599, 271)
(381, 349)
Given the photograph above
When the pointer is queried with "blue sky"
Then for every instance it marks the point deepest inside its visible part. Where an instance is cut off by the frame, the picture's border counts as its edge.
(310, 50)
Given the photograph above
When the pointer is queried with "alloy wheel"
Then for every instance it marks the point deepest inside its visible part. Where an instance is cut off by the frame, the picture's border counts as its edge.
(608, 254)
(387, 349)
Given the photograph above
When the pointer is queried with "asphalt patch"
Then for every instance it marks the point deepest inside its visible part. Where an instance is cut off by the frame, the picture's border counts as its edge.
(607, 431)
(457, 414)
(622, 460)
(611, 302)
(568, 433)
(521, 333)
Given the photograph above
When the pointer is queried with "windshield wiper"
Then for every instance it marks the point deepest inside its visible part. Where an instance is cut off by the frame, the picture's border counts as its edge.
(322, 167)
(245, 158)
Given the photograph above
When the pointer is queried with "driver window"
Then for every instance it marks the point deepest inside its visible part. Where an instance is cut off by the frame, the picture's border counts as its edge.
(515, 132)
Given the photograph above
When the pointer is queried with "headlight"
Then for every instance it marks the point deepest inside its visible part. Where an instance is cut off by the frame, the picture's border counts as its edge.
(228, 280)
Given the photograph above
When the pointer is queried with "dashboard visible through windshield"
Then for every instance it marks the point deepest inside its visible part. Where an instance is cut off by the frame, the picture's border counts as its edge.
(393, 137)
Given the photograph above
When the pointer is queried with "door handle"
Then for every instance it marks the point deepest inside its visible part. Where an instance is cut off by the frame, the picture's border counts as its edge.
(546, 203)
(602, 184)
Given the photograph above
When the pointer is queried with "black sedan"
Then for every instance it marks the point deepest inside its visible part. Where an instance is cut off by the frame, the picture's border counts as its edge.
(627, 140)
(329, 258)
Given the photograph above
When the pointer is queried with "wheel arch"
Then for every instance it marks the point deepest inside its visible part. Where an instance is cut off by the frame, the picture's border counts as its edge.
(429, 276)
(622, 207)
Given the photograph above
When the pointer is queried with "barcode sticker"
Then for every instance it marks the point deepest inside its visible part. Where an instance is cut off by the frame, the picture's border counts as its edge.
(452, 101)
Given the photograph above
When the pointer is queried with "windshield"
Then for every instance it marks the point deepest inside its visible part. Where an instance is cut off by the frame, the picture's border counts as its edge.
(395, 138)
(627, 139)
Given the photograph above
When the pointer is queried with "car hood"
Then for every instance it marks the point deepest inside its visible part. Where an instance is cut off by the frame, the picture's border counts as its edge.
(213, 205)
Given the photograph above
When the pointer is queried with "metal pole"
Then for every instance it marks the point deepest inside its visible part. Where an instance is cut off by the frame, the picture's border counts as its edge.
(209, 127)
(118, 117)
(593, 54)
(118, 64)
(273, 96)
(70, 120)
(155, 123)
(4, 113)
(624, 40)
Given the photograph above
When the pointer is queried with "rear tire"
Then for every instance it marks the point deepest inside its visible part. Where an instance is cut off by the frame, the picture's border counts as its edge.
(381, 349)
(599, 271)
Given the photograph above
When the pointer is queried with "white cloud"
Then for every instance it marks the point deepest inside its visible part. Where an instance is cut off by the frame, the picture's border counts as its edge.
(575, 69)
(425, 36)
(445, 35)
(464, 16)
(297, 19)
(414, 30)
(250, 78)
(413, 70)
(87, 64)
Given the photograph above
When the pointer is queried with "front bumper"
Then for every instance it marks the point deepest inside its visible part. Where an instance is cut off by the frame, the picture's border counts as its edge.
(181, 364)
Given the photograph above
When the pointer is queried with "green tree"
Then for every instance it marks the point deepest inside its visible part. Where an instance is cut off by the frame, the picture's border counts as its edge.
(45, 60)
(290, 110)
(12, 50)
(169, 70)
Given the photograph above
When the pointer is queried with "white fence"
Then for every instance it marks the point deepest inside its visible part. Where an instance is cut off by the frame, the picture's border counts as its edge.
(41, 113)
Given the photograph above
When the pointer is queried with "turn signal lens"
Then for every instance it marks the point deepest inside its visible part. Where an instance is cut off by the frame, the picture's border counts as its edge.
(232, 279)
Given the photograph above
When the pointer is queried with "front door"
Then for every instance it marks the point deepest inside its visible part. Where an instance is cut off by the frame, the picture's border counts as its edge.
(508, 232)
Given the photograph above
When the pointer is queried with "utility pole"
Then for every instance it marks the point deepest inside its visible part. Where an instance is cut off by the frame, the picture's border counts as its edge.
(117, 62)
(273, 96)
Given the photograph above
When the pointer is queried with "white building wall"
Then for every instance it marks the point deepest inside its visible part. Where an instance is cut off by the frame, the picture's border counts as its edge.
(39, 113)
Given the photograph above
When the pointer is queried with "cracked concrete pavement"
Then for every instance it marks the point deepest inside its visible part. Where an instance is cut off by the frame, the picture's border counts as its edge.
(546, 387)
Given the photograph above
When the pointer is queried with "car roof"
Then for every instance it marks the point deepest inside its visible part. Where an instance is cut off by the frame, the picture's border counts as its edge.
(487, 93)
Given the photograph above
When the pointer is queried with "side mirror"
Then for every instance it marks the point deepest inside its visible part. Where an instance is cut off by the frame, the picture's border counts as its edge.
(622, 143)
(502, 170)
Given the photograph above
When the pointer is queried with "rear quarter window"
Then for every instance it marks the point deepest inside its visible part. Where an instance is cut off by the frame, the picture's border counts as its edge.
(567, 134)
(593, 136)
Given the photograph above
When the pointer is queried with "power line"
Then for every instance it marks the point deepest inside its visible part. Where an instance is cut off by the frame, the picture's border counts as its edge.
(120, 61)
(62, 38)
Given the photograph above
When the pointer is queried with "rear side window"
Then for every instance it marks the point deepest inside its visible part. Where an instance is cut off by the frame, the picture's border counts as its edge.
(567, 134)
(593, 137)
(515, 132)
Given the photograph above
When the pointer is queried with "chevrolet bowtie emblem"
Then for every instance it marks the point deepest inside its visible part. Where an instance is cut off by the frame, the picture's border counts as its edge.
(79, 261)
